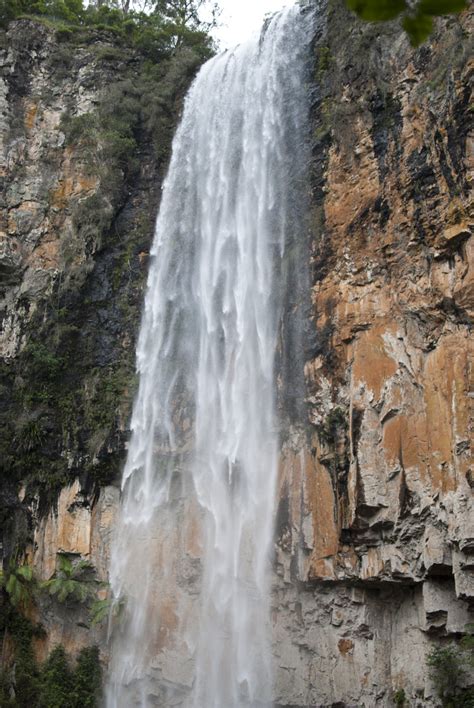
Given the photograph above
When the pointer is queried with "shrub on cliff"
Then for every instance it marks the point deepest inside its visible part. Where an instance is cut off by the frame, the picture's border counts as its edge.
(54, 684)
(87, 679)
(467, 645)
(448, 670)
(19, 584)
(61, 686)
(20, 680)
(56, 680)
(73, 581)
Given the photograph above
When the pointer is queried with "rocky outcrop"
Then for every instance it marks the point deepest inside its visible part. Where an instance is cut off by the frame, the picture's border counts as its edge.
(390, 386)
(86, 127)
(73, 257)
(376, 508)
(374, 559)
(80, 528)
(87, 124)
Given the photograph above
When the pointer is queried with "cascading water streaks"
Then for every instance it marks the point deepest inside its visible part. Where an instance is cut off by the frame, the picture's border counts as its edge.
(193, 541)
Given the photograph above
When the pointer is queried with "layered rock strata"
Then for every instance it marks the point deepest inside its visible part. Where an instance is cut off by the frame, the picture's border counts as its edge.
(376, 516)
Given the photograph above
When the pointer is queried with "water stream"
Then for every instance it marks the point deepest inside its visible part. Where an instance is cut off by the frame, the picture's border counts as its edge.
(192, 546)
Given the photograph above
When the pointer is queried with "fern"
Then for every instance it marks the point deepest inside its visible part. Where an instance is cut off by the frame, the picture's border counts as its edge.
(19, 584)
(102, 609)
(72, 581)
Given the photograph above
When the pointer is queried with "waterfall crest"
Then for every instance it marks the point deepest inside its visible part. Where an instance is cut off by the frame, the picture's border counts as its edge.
(193, 541)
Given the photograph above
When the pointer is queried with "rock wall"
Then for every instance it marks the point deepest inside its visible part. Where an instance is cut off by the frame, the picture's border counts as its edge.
(375, 534)
(87, 123)
(374, 560)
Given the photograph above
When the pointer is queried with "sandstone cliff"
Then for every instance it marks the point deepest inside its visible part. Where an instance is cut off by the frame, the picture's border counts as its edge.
(376, 518)
(375, 525)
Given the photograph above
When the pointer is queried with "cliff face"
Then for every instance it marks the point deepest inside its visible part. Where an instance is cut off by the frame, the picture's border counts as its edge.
(375, 525)
(376, 515)
(86, 129)
(87, 124)
(388, 383)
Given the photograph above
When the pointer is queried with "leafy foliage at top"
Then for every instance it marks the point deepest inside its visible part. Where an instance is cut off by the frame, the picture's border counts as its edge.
(417, 20)
(187, 13)
(165, 26)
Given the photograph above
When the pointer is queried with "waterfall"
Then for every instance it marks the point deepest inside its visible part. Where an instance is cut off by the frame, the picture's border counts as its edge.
(192, 549)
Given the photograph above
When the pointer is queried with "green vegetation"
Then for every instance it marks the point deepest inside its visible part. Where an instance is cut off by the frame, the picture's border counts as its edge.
(24, 679)
(467, 645)
(399, 697)
(19, 585)
(87, 679)
(323, 60)
(73, 581)
(56, 681)
(165, 27)
(60, 400)
(62, 686)
(45, 364)
(448, 668)
(78, 687)
(101, 610)
(54, 684)
(333, 424)
(417, 19)
(185, 14)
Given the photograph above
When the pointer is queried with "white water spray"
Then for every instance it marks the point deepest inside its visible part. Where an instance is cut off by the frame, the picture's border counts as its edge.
(196, 626)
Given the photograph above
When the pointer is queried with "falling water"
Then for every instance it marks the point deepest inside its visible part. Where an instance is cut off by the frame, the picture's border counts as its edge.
(192, 549)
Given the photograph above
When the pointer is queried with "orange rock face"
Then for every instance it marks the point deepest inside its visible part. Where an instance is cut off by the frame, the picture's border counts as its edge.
(390, 390)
